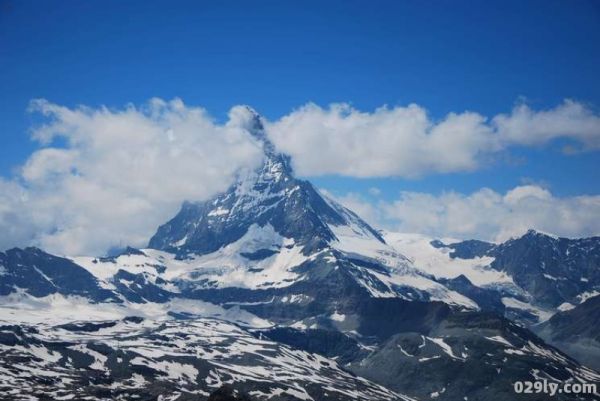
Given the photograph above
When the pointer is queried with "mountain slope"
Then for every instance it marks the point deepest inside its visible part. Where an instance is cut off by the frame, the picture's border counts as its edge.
(470, 354)
(553, 270)
(576, 331)
(40, 274)
(134, 358)
(428, 352)
(527, 278)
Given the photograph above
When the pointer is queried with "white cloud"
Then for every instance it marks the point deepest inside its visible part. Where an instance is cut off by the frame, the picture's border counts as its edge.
(121, 174)
(113, 175)
(484, 214)
(406, 142)
(569, 120)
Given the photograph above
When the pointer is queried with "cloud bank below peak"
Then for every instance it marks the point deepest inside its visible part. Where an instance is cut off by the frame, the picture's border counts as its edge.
(406, 142)
(483, 214)
(105, 177)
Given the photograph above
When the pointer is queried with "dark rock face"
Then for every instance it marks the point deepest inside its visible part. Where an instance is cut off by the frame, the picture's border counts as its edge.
(440, 352)
(468, 249)
(138, 288)
(553, 270)
(41, 274)
(487, 299)
(227, 393)
(583, 320)
(470, 354)
(576, 332)
(329, 343)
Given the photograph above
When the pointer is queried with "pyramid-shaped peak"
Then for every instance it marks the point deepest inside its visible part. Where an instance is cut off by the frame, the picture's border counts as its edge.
(268, 195)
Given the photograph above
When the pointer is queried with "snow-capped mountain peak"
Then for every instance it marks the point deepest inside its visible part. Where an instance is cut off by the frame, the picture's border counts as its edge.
(288, 216)
(269, 194)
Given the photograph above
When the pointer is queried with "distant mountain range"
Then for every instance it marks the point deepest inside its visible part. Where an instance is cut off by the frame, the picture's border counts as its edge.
(281, 293)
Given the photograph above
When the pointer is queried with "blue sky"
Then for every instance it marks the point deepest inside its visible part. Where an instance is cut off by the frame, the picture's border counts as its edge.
(278, 55)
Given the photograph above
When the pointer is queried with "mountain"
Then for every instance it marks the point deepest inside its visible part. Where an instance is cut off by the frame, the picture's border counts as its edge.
(40, 274)
(576, 331)
(553, 270)
(270, 195)
(445, 355)
(471, 354)
(178, 359)
(528, 278)
(312, 294)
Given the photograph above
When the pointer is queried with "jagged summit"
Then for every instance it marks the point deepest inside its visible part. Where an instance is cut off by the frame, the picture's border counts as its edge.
(270, 195)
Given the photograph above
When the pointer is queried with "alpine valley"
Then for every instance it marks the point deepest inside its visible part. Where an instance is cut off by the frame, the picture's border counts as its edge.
(273, 291)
